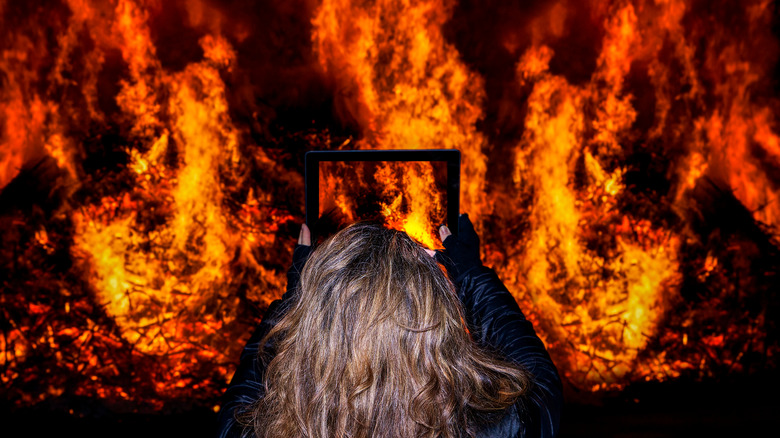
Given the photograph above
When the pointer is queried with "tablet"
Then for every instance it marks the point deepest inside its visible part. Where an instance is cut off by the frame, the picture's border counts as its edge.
(410, 190)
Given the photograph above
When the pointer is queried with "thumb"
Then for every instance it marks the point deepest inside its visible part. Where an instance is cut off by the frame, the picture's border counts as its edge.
(304, 238)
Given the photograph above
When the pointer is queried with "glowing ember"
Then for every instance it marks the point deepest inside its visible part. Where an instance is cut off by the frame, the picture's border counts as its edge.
(620, 163)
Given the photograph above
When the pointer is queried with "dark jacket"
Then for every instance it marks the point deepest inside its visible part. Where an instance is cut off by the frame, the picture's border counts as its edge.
(495, 321)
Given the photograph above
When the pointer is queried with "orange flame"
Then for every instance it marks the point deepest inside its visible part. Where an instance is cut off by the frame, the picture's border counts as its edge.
(159, 282)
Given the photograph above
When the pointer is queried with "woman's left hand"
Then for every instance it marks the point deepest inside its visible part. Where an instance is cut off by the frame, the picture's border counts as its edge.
(301, 253)
(304, 237)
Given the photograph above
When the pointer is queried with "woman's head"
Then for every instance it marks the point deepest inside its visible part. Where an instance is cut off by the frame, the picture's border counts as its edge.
(375, 345)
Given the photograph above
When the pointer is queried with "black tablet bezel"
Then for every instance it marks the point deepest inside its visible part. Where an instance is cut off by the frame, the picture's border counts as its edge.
(312, 160)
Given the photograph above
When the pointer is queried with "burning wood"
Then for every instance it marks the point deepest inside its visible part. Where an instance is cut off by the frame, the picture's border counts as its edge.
(621, 161)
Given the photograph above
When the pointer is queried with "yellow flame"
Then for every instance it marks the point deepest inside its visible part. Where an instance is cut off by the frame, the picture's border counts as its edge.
(155, 279)
(607, 304)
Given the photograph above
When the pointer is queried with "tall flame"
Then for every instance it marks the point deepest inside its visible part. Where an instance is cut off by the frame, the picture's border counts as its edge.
(157, 282)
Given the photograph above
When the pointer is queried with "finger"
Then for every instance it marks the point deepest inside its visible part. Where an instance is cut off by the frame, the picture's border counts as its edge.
(304, 238)
(430, 252)
(444, 233)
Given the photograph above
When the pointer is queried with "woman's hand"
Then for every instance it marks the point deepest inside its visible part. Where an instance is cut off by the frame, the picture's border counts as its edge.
(461, 252)
(301, 253)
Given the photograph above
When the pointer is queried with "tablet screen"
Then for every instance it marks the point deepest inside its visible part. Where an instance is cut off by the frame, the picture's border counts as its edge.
(409, 195)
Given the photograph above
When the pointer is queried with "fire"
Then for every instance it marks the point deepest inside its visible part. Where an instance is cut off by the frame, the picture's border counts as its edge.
(160, 256)
(620, 161)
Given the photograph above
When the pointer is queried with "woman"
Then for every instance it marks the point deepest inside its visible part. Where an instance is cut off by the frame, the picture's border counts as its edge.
(373, 339)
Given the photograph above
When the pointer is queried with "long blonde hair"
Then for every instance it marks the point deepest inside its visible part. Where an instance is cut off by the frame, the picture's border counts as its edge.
(375, 345)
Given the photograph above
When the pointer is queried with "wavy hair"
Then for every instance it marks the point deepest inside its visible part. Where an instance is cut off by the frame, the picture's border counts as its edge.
(375, 345)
